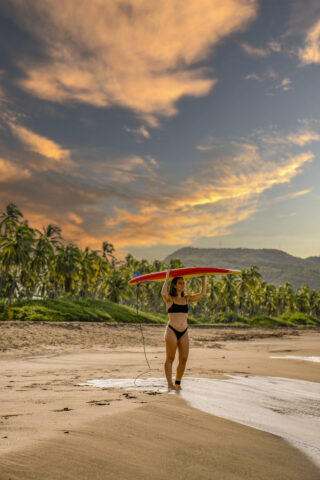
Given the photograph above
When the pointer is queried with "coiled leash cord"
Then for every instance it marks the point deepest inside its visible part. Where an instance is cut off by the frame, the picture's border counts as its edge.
(143, 341)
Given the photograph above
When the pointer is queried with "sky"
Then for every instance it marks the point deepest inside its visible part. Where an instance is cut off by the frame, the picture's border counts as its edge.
(160, 125)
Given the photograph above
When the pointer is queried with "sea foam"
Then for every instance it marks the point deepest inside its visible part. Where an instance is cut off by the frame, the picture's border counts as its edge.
(285, 407)
(297, 357)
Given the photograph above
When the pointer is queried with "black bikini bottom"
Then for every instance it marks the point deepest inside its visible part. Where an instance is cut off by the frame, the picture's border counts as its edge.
(177, 332)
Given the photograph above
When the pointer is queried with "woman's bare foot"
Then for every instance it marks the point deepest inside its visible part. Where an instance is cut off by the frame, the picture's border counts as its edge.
(171, 386)
(177, 387)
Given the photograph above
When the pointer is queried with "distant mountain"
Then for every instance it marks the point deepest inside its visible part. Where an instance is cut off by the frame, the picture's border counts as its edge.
(275, 266)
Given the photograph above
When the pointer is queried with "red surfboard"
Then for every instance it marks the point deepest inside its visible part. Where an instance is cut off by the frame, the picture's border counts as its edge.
(187, 272)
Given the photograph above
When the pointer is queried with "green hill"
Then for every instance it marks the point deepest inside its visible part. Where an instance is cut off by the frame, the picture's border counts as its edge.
(69, 310)
(275, 266)
(65, 309)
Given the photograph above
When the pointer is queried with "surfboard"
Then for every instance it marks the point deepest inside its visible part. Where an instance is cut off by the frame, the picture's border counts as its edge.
(187, 272)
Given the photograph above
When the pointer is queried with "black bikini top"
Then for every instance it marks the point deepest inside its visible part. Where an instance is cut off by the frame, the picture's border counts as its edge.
(176, 308)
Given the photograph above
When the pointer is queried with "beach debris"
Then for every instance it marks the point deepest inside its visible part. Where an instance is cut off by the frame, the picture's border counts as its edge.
(127, 395)
(65, 409)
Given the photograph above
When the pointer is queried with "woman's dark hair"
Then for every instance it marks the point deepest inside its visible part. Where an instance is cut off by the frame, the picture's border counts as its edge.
(173, 288)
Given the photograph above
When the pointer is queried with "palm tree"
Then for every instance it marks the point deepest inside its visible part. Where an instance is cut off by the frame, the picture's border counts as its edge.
(269, 300)
(314, 303)
(229, 292)
(106, 260)
(213, 299)
(43, 253)
(9, 219)
(116, 283)
(86, 272)
(67, 267)
(16, 252)
(245, 285)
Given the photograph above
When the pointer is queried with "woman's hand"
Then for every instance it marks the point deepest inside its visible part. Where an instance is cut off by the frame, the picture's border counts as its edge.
(168, 274)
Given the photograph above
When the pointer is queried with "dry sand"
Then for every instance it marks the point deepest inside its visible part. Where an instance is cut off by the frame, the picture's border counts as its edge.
(53, 428)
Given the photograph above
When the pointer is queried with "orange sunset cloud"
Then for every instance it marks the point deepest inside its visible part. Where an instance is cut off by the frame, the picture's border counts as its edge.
(58, 157)
(310, 53)
(139, 54)
(202, 206)
(11, 172)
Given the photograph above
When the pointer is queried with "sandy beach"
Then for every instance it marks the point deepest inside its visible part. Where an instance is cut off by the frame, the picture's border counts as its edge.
(53, 427)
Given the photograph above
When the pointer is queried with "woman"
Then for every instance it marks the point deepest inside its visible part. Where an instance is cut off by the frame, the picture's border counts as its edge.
(176, 334)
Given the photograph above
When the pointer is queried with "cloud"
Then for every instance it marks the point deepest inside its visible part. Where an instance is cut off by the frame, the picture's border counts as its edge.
(254, 76)
(243, 176)
(275, 46)
(58, 157)
(133, 201)
(125, 170)
(289, 196)
(38, 144)
(255, 51)
(285, 84)
(49, 154)
(73, 217)
(2, 93)
(9, 172)
(70, 223)
(152, 161)
(270, 73)
(209, 144)
(221, 194)
(310, 53)
(301, 137)
(139, 133)
(170, 228)
(139, 55)
(75, 207)
(301, 16)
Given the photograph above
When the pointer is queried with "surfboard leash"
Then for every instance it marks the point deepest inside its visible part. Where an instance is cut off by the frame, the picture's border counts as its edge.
(143, 340)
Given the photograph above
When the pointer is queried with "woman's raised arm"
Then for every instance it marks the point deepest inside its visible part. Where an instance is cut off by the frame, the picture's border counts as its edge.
(164, 290)
(198, 296)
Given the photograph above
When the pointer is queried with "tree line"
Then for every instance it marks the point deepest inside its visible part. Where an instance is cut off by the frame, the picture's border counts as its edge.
(39, 264)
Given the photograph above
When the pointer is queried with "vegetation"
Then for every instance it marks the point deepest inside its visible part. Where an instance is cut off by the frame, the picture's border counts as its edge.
(42, 278)
(66, 309)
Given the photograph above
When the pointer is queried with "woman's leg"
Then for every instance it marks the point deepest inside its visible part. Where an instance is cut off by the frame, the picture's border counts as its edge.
(171, 347)
(183, 346)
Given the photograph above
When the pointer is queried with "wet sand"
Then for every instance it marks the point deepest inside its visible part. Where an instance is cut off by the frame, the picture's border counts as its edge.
(51, 427)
